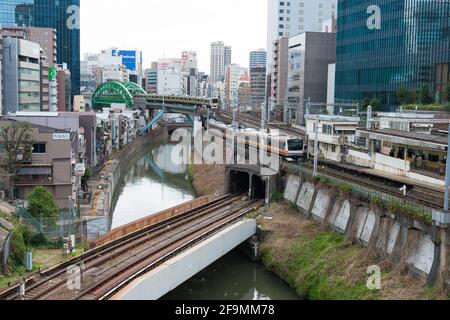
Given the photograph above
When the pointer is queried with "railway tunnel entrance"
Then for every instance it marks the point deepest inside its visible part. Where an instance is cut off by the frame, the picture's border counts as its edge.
(239, 182)
(247, 179)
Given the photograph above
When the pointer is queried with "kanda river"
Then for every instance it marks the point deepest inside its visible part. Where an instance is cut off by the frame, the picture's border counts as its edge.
(152, 183)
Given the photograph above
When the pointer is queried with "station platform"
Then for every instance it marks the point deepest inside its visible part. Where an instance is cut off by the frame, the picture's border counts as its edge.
(385, 175)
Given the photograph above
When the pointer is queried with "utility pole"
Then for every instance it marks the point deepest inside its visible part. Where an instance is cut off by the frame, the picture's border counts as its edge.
(447, 178)
(369, 123)
(316, 146)
(263, 118)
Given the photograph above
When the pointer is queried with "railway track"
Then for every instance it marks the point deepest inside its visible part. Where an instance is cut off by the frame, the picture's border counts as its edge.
(257, 124)
(123, 258)
(363, 181)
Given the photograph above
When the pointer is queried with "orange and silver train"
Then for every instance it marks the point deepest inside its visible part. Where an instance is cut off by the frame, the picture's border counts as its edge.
(288, 147)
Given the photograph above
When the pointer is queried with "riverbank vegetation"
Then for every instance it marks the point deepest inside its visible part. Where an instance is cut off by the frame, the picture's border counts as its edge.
(322, 265)
(207, 179)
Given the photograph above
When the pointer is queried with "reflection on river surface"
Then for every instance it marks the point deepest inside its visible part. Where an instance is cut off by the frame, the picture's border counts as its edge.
(152, 183)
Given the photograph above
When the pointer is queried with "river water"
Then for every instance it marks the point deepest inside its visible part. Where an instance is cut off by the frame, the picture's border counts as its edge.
(153, 183)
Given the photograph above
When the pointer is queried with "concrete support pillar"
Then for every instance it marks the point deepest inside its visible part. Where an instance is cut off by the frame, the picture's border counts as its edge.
(372, 152)
(250, 188)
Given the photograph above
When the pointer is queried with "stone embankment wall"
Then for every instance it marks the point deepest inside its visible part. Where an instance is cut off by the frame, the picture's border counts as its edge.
(420, 246)
(113, 170)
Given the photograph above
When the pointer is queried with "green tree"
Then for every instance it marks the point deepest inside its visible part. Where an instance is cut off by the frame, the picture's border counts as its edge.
(16, 139)
(365, 103)
(41, 204)
(424, 95)
(402, 94)
(85, 178)
(447, 92)
(376, 104)
(411, 97)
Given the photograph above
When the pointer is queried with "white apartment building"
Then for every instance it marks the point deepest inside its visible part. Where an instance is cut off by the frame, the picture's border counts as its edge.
(170, 77)
(233, 76)
(289, 18)
(220, 59)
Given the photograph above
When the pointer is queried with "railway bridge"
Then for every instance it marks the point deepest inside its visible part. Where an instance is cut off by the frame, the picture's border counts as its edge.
(146, 259)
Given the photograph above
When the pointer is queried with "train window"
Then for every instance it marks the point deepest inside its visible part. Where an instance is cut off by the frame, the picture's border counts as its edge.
(295, 145)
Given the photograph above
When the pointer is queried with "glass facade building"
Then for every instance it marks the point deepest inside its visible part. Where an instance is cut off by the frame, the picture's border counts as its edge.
(62, 15)
(384, 44)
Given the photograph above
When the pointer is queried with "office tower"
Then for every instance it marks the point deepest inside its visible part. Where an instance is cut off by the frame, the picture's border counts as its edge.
(398, 43)
(62, 15)
(220, 59)
(310, 53)
(258, 58)
(21, 93)
(289, 18)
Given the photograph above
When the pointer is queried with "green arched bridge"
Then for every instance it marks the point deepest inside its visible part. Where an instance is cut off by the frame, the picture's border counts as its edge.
(133, 96)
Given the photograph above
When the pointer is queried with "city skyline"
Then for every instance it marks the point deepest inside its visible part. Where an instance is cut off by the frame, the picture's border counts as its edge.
(211, 21)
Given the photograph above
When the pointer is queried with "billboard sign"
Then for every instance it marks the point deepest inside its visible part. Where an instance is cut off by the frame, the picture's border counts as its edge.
(129, 58)
(52, 74)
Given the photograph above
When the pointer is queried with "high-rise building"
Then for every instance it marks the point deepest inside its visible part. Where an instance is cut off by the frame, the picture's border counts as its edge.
(280, 53)
(289, 18)
(45, 37)
(227, 54)
(62, 15)
(398, 43)
(234, 72)
(21, 75)
(151, 76)
(258, 86)
(258, 61)
(310, 53)
(220, 59)
(63, 79)
(258, 58)
(244, 94)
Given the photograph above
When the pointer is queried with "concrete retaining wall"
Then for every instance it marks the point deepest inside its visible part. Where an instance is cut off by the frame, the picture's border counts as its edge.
(113, 171)
(398, 238)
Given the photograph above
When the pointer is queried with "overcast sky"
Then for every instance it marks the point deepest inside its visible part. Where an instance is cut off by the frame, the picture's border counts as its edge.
(167, 27)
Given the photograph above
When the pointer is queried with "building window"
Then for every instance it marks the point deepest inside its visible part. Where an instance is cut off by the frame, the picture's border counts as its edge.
(327, 129)
(39, 148)
(333, 148)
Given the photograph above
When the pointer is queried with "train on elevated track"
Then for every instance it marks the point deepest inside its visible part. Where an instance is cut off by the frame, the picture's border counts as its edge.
(182, 100)
(287, 146)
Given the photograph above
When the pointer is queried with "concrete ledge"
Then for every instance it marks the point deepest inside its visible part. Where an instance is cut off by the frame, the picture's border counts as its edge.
(151, 220)
(175, 272)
